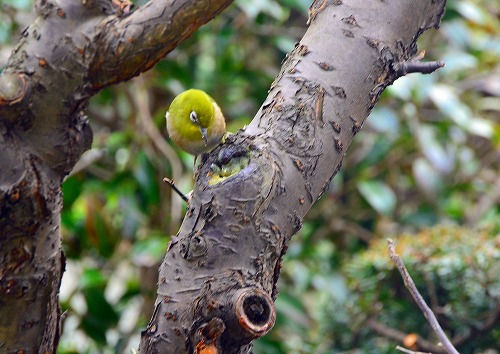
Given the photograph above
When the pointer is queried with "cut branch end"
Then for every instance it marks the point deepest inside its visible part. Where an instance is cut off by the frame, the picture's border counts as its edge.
(255, 311)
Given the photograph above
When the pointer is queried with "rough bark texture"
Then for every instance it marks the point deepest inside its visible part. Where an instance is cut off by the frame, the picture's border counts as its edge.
(73, 49)
(218, 280)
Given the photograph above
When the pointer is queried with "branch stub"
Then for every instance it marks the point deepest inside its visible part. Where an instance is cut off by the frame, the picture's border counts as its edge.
(255, 311)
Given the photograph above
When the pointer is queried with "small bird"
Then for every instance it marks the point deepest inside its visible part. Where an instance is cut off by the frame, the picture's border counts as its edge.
(195, 122)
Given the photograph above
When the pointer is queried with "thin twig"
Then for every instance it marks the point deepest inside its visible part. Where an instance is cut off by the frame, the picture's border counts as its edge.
(410, 285)
(484, 204)
(176, 190)
(420, 67)
(416, 65)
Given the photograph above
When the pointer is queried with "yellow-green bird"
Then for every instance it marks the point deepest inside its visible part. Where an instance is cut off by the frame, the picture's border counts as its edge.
(195, 122)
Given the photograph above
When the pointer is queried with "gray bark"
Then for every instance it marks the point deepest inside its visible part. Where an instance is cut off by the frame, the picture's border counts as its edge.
(218, 280)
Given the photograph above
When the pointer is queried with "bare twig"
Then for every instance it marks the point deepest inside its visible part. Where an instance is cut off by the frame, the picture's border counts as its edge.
(340, 224)
(420, 67)
(410, 285)
(176, 190)
(416, 65)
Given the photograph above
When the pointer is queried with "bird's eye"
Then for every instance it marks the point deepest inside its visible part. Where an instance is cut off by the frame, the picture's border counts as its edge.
(193, 117)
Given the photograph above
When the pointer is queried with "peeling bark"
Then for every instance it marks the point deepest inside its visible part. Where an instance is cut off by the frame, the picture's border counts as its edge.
(238, 225)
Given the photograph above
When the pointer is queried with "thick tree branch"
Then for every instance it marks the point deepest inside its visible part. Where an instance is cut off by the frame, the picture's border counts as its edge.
(252, 192)
(76, 48)
(133, 44)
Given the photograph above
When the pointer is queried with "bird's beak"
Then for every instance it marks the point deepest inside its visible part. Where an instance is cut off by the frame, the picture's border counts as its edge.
(204, 134)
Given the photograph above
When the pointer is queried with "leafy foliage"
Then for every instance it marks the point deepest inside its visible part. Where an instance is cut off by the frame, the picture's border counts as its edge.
(428, 155)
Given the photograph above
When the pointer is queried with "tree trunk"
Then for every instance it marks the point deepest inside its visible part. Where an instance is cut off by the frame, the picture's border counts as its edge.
(218, 281)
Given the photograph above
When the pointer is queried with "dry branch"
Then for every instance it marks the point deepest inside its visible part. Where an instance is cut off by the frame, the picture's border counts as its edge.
(428, 314)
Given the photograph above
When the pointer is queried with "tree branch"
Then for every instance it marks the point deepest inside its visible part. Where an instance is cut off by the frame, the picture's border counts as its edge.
(140, 99)
(239, 223)
(133, 44)
(416, 65)
(410, 285)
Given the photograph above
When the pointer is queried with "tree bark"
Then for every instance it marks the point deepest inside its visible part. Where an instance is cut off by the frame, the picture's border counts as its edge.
(217, 283)
(74, 49)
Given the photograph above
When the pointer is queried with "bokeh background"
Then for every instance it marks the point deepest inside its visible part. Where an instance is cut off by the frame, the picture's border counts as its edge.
(424, 170)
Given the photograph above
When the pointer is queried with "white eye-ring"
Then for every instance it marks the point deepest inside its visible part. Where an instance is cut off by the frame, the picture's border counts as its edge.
(193, 117)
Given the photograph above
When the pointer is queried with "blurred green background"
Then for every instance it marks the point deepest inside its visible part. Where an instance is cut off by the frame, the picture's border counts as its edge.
(424, 170)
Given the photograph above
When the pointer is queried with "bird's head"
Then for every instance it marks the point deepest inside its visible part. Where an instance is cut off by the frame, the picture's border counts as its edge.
(192, 113)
